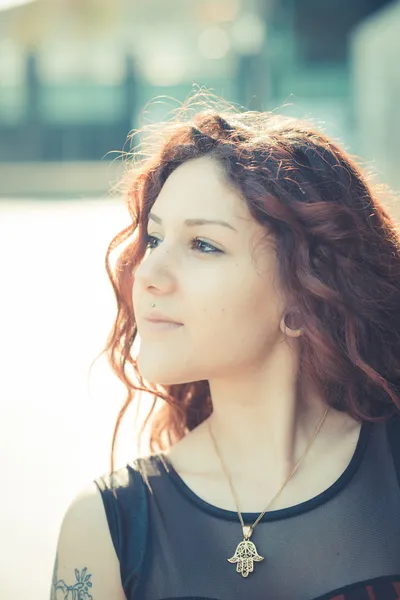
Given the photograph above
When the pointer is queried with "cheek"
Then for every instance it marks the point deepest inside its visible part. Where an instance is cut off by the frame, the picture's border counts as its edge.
(247, 296)
(230, 321)
(240, 317)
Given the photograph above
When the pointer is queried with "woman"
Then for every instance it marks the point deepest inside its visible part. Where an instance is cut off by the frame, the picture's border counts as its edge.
(262, 276)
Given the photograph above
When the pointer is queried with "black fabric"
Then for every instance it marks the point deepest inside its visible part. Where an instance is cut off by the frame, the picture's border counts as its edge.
(394, 441)
(342, 545)
(125, 503)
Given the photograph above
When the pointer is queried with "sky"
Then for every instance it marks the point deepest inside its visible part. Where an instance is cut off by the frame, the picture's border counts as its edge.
(4, 4)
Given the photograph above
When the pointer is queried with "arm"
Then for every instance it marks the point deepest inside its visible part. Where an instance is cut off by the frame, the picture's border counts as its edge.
(86, 566)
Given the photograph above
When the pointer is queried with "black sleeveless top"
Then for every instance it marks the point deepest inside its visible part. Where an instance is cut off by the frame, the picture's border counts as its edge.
(343, 544)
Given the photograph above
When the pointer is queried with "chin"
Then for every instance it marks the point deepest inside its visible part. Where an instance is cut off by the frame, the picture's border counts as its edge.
(161, 374)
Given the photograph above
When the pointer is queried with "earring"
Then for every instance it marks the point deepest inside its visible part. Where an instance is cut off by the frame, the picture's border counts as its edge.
(290, 325)
(153, 306)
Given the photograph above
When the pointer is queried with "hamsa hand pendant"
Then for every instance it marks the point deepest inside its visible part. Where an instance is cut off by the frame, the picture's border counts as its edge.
(245, 556)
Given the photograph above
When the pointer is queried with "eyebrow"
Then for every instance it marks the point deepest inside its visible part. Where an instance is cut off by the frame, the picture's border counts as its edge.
(195, 222)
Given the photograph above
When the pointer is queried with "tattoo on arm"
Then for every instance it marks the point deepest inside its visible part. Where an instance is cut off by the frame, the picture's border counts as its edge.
(78, 591)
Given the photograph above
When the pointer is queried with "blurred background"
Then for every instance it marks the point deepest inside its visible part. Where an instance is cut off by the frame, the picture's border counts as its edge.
(76, 76)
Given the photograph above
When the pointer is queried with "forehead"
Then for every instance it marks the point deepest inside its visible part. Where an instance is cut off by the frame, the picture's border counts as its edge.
(198, 189)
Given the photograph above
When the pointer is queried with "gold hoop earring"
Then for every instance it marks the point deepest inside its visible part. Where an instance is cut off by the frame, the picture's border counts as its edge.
(288, 324)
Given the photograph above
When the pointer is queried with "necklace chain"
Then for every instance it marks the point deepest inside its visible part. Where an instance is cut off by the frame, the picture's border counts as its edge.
(251, 528)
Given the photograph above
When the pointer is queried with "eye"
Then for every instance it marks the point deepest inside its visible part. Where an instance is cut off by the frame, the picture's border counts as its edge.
(196, 244)
(150, 241)
(203, 247)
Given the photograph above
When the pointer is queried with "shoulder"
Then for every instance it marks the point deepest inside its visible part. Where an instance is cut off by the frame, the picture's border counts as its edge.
(118, 480)
(86, 506)
(123, 494)
(86, 559)
(85, 520)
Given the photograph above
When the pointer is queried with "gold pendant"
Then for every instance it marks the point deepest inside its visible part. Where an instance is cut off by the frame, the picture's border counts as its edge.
(246, 554)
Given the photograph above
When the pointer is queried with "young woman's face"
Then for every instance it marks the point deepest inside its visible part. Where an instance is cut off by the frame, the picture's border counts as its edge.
(219, 280)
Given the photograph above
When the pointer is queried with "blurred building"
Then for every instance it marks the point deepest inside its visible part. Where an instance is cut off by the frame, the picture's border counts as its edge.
(376, 77)
(76, 75)
(308, 55)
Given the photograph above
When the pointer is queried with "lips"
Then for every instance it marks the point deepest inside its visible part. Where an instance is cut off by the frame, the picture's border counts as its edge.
(158, 326)
(159, 317)
(157, 323)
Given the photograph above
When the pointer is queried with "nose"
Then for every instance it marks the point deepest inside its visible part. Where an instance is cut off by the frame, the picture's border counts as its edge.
(155, 273)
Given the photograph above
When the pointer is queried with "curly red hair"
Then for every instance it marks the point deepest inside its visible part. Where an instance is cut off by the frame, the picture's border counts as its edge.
(337, 248)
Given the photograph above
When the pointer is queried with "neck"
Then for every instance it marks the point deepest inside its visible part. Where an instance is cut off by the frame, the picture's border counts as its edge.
(261, 420)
